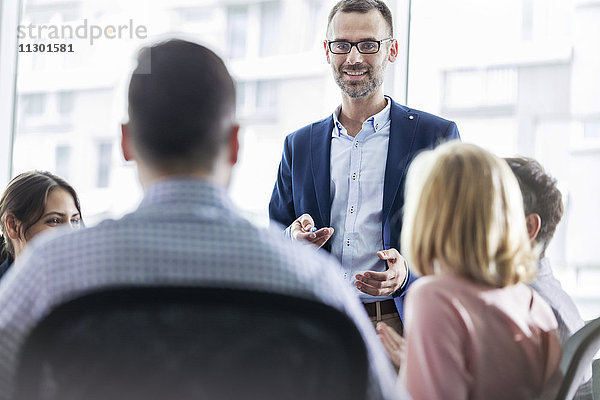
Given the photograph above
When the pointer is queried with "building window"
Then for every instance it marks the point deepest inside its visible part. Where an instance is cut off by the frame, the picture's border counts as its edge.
(257, 99)
(62, 161)
(65, 103)
(315, 8)
(527, 20)
(195, 15)
(472, 88)
(34, 104)
(237, 22)
(591, 129)
(240, 97)
(104, 164)
(269, 28)
(266, 96)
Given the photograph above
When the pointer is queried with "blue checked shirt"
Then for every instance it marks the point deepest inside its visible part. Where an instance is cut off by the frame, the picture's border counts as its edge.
(185, 232)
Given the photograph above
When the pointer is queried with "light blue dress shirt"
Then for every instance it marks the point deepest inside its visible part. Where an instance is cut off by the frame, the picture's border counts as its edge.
(357, 174)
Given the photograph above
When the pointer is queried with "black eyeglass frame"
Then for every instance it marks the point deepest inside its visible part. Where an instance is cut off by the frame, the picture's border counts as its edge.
(355, 44)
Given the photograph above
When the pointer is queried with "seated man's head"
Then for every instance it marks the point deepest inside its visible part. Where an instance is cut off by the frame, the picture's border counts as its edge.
(542, 200)
(181, 114)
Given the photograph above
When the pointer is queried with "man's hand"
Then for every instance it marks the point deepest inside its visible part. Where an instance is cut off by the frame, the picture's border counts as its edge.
(387, 282)
(300, 229)
(393, 343)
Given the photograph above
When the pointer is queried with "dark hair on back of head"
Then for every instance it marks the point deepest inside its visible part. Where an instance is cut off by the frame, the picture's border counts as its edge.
(181, 111)
(363, 6)
(25, 197)
(540, 196)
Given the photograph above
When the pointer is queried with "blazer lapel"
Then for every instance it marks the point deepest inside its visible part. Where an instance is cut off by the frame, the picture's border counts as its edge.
(402, 134)
(320, 155)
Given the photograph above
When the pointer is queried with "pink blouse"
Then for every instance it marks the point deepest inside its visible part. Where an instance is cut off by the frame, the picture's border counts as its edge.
(466, 340)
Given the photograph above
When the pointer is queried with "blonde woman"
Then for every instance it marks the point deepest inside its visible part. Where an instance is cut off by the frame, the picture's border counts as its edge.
(474, 330)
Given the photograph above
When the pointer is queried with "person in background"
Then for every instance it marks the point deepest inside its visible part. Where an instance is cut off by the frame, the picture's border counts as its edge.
(183, 136)
(343, 176)
(474, 329)
(33, 202)
(543, 206)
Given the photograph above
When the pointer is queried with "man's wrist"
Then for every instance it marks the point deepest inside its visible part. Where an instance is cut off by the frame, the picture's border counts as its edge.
(405, 281)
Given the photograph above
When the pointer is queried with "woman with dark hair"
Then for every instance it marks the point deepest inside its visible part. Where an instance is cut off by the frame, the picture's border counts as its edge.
(34, 202)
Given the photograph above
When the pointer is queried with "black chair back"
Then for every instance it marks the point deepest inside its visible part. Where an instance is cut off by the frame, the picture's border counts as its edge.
(578, 353)
(192, 343)
(596, 379)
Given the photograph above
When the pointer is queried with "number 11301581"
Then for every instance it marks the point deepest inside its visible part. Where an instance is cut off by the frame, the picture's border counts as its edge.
(46, 48)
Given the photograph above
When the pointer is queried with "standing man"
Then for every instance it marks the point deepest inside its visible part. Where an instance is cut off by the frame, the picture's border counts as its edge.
(183, 137)
(345, 174)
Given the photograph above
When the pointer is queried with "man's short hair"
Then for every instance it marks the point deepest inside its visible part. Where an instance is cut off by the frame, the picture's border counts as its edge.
(363, 6)
(181, 106)
(540, 195)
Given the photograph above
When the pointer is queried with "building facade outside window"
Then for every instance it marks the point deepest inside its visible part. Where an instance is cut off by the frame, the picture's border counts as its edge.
(518, 77)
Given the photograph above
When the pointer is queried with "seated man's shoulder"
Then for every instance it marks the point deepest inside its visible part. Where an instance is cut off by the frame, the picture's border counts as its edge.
(293, 253)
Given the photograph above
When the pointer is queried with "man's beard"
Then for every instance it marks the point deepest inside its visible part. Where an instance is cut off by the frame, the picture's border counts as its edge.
(357, 89)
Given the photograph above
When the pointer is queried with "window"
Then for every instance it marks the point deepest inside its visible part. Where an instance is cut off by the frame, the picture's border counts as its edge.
(269, 28)
(34, 104)
(63, 161)
(257, 99)
(316, 18)
(527, 24)
(240, 98)
(266, 95)
(479, 88)
(65, 103)
(195, 15)
(104, 164)
(591, 129)
(237, 21)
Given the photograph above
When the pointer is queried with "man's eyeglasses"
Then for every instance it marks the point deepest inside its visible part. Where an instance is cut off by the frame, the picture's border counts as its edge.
(363, 47)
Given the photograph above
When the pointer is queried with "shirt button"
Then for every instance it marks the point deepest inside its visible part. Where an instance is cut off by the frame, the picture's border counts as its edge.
(354, 176)
(355, 144)
(376, 126)
(347, 242)
(352, 209)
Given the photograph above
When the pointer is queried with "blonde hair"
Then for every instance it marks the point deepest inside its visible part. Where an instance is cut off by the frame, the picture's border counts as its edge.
(464, 212)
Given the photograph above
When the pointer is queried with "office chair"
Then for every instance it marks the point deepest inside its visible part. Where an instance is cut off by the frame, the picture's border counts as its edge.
(596, 379)
(192, 343)
(578, 353)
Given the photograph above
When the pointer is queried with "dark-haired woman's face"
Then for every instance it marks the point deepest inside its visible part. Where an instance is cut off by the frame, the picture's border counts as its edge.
(60, 211)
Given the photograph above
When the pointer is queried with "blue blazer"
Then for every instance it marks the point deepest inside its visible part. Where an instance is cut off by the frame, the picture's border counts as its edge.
(303, 179)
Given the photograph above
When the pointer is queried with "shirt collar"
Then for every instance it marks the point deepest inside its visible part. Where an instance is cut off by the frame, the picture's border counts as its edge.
(186, 191)
(377, 121)
(544, 266)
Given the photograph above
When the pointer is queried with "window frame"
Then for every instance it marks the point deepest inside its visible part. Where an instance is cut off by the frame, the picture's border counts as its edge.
(10, 15)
